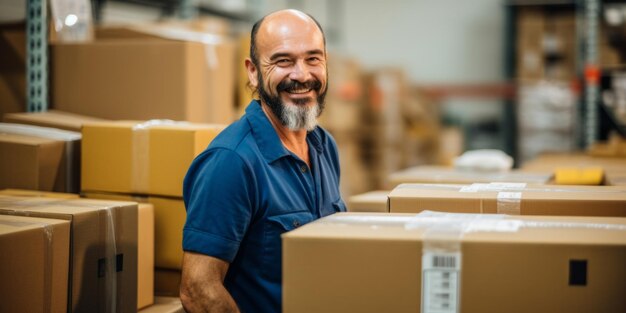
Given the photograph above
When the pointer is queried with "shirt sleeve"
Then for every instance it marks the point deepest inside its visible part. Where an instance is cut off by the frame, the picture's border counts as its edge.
(219, 199)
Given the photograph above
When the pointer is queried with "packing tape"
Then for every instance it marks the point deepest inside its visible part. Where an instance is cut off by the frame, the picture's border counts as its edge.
(47, 254)
(26, 206)
(509, 202)
(140, 163)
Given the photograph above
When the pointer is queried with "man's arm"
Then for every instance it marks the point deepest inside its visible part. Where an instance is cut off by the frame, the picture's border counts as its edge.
(202, 285)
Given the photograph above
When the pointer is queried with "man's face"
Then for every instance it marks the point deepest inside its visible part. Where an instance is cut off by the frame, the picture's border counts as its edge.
(291, 76)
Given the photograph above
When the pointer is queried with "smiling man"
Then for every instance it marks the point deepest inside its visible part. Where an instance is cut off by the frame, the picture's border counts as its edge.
(268, 173)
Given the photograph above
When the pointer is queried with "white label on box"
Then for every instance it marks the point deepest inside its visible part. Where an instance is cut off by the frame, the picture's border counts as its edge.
(509, 186)
(440, 282)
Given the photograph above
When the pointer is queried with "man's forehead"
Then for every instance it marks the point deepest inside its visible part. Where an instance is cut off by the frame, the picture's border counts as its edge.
(285, 28)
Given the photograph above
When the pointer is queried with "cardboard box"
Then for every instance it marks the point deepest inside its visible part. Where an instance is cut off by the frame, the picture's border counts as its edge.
(103, 253)
(551, 161)
(51, 118)
(147, 72)
(145, 244)
(31, 162)
(165, 305)
(373, 201)
(38, 194)
(448, 175)
(133, 157)
(167, 282)
(61, 168)
(364, 263)
(169, 220)
(512, 199)
(34, 266)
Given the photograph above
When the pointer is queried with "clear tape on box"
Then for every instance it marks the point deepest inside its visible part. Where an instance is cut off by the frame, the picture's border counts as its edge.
(47, 254)
(25, 206)
(72, 148)
(140, 163)
(508, 197)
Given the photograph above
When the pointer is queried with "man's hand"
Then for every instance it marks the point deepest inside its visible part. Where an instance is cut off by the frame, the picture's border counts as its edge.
(202, 285)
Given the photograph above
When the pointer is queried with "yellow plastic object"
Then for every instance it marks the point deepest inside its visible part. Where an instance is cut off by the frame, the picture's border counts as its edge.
(579, 176)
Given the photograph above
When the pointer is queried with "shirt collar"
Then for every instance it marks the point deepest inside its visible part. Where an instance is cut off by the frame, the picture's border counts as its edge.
(267, 138)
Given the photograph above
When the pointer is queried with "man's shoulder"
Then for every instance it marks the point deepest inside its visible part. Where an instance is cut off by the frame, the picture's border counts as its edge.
(232, 137)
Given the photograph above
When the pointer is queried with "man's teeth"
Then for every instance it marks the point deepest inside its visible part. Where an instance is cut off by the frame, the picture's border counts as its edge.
(299, 90)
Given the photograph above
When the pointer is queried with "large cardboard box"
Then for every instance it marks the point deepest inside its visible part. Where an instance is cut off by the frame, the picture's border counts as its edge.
(103, 260)
(169, 220)
(449, 175)
(34, 266)
(358, 262)
(373, 201)
(59, 167)
(51, 118)
(141, 158)
(148, 72)
(515, 199)
(145, 244)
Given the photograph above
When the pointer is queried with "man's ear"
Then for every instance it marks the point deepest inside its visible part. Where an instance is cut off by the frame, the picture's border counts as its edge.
(252, 73)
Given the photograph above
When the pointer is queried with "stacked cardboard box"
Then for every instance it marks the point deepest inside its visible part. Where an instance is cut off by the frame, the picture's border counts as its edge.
(39, 158)
(611, 167)
(146, 72)
(146, 162)
(448, 175)
(103, 251)
(34, 266)
(363, 262)
(372, 201)
(510, 198)
(51, 118)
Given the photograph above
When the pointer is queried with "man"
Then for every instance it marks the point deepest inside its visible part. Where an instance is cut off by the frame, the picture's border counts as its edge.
(268, 173)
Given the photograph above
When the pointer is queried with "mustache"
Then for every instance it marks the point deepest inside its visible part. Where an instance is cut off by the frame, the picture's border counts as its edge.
(290, 85)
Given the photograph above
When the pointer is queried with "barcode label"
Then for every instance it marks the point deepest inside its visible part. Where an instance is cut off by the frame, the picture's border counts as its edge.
(440, 282)
(444, 261)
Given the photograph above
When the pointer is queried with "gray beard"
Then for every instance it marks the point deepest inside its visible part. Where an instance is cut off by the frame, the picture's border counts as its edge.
(296, 117)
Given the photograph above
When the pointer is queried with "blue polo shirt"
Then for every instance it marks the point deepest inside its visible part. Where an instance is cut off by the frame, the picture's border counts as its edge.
(244, 191)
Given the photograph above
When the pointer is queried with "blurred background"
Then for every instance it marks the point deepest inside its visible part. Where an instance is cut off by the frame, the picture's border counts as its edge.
(412, 82)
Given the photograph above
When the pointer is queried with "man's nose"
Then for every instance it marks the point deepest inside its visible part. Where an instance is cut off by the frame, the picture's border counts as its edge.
(300, 72)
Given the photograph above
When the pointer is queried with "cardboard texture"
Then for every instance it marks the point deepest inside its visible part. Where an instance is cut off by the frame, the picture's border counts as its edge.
(551, 161)
(51, 118)
(169, 220)
(125, 157)
(529, 200)
(31, 163)
(373, 201)
(66, 171)
(145, 244)
(103, 256)
(447, 175)
(165, 305)
(123, 75)
(38, 194)
(34, 266)
(377, 266)
(167, 282)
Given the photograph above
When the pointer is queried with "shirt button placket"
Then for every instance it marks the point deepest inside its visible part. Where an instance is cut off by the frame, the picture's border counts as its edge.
(303, 168)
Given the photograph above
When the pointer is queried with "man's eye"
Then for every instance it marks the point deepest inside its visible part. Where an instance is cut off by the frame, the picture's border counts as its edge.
(314, 59)
(283, 62)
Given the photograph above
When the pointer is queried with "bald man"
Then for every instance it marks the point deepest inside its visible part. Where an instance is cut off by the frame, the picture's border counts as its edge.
(268, 173)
